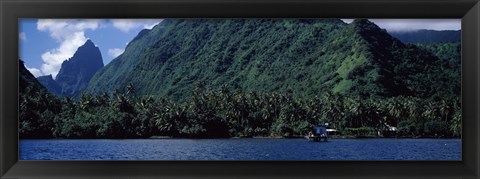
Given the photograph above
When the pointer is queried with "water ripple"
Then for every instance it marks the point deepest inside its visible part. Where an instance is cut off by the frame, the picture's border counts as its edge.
(241, 149)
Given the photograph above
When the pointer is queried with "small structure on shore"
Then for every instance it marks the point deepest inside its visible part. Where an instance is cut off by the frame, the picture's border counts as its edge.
(320, 133)
(390, 131)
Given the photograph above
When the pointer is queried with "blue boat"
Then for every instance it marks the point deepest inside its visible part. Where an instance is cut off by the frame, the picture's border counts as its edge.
(320, 133)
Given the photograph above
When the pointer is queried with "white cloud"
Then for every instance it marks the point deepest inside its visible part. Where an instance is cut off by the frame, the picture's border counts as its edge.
(35, 72)
(348, 21)
(22, 36)
(70, 34)
(54, 58)
(125, 25)
(151, 25)
(60, 29)
(115, 52)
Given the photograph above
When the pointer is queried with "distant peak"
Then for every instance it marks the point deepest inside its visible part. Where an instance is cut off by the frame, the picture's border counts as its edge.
(46, 77)
(89, 43)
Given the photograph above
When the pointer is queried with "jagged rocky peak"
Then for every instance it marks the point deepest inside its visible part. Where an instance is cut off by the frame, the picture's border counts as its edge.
(88, 43)
(88, 55)
(76, 72)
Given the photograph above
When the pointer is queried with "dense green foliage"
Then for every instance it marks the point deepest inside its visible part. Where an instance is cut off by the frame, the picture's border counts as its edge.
(361, 132)
(260, 77)
(449, 52)
(303, 57)
(37, 107)
(214, 114)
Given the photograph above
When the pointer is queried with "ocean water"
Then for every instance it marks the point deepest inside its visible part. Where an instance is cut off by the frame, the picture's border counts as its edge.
(240, 149)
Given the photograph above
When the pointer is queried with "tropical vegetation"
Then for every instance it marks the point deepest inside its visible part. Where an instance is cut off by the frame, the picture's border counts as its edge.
(224, 113)
(216, 78)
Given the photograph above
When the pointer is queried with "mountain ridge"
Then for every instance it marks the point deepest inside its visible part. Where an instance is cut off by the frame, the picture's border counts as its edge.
(75, 72)
(302, 57)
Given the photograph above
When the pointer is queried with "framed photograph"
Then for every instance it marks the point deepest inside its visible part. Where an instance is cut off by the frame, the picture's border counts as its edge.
(246, 89)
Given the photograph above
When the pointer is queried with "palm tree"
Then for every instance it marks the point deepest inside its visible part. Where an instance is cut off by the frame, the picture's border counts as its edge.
(430, 111)
(102, 100)
(333, 107)
(86, 102)
(444, 109)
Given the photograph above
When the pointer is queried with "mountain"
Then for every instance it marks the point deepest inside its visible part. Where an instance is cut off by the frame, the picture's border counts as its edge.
(27, 80)
(36, 107)
(428, 36)
(76, 72)
(49, 83)
(303, 57)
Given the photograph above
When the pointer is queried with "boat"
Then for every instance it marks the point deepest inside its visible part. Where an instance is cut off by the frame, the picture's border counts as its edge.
(319, 135)
(315, 138)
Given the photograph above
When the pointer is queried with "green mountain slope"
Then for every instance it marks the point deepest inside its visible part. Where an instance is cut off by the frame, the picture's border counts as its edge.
(302, 57)
(37, 107)
(449, 51)
(114, 74)
(406, 69)
(27, 81)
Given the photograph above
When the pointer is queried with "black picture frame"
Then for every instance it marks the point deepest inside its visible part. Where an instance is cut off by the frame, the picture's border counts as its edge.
(12, 10)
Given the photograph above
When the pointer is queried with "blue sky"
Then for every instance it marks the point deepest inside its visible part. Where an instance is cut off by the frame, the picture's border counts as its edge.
(46, 43)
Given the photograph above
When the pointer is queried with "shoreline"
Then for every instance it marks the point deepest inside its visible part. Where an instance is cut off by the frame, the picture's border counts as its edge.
(234, 138)
(253, 137)
(303, 137)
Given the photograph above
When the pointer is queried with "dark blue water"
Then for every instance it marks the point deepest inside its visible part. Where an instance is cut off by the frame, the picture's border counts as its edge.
(241, 149)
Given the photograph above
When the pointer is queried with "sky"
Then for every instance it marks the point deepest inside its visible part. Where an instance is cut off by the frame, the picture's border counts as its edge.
(46, 43)
(395, 25)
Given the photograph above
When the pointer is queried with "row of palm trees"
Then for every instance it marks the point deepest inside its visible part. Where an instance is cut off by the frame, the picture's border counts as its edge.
(222, 113)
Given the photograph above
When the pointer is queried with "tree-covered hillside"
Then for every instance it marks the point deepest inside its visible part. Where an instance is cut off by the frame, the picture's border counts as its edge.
(37, 107)
(209, 78)
(302, 57)
(27, 80)
(449, 51)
